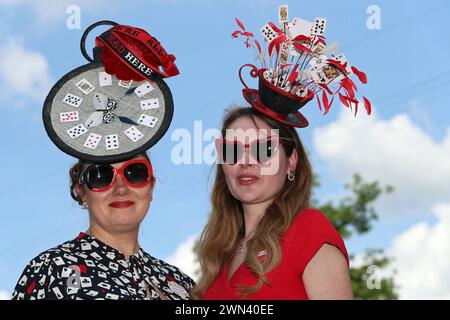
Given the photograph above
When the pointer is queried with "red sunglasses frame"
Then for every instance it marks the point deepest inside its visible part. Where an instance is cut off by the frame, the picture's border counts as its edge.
(120, 171)
(221, 141)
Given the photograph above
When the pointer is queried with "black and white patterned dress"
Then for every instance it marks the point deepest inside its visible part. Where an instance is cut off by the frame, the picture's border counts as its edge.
(86, 268)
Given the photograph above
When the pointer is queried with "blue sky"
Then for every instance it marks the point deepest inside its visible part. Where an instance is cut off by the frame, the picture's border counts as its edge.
(406, 143)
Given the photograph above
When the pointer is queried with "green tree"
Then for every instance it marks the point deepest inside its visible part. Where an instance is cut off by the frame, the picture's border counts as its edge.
(354, 215)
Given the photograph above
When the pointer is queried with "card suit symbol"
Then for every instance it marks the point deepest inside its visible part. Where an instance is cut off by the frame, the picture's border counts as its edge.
(127, 120)
(130, 91)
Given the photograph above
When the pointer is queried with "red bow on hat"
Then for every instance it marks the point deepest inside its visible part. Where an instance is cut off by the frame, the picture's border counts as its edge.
(132, 54)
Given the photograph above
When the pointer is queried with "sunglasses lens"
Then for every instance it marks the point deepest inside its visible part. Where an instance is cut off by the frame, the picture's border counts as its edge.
(231, 152)
(136, 173)
(263, 150)
(99, 176)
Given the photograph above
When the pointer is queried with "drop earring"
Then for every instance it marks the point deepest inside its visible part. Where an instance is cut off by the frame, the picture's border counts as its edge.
(291, 176)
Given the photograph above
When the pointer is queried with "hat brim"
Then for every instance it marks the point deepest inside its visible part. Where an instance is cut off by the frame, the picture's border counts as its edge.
(295, 119)
(57, 130)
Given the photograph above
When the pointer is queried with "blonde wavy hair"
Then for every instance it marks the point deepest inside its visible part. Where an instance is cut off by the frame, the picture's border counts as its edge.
(225, 228)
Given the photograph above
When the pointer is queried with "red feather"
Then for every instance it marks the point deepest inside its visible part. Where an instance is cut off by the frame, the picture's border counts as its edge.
(343, 100)
(325, 102)
(258, 46)
(320, 41)
(349, 85)
(236, 33)
(293, 74)
(331, 102)
(348, 88)
(271, 45)
(356, 107)
(302, 48)
(326, 88)
(276, 42)
(302, 37)
(361, 75)
(367, 105)
(350, 81)
(318, 102)
(240, 24)
(247, 34)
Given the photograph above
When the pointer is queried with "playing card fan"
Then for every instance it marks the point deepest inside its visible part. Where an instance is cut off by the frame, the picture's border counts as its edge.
(118, 104)
(296, 65)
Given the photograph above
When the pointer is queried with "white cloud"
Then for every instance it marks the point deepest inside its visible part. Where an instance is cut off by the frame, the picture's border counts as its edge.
(4, 295)
(23, 72)
(393, 151)
(421, 258)
(184, 257)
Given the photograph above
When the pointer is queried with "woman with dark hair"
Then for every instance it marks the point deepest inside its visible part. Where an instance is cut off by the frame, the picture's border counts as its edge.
(263, 240)
(107, 114)
(106, 261)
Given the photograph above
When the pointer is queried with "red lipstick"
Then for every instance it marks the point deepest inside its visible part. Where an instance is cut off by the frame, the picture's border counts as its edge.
(247, 179)
(121, 204)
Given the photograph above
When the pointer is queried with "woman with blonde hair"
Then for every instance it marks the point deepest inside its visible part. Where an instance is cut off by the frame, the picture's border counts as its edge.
(263, 240)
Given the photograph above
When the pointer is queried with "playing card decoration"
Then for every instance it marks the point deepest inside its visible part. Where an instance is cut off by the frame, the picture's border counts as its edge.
(297, 66)
(117, 105)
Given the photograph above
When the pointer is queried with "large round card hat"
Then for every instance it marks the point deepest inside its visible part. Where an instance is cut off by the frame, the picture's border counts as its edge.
(296, 66)
(118, 104)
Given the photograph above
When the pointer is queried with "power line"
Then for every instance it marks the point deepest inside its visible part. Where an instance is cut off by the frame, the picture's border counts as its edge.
(39, 237)
(395, 26)
(32, 181)
(420, 86)
(381, 106)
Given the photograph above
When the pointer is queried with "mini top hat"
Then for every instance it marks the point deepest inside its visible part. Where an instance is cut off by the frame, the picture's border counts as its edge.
(296, 69)
(118, 104)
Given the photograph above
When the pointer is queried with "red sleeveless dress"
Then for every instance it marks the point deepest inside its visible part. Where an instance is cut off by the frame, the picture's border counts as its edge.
(308, 232)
